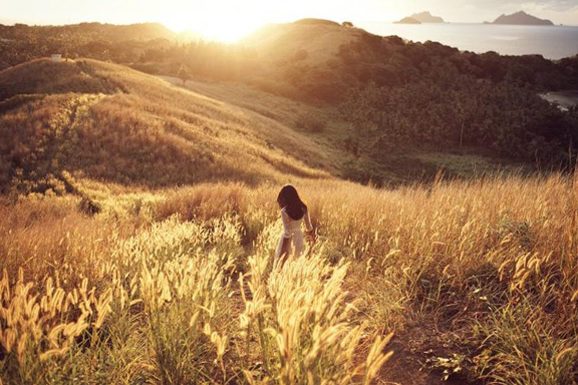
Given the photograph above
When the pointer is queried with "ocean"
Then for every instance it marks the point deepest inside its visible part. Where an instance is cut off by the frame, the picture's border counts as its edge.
(552, 42)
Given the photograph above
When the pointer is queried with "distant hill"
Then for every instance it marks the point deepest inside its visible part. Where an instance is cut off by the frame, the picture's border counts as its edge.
(93, 31)
(427, 17)
(311, 41)
(314, 21)
(521, 18)
(119, 43)
(408, 20)
(406, 83)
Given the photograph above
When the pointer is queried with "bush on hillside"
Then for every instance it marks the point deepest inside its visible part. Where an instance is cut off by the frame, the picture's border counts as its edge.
(310, 122)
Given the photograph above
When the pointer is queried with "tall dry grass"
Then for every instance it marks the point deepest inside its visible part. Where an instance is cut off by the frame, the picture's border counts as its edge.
(183, 287)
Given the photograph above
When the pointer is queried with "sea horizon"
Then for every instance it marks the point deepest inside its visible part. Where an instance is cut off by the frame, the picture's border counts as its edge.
(552, 42)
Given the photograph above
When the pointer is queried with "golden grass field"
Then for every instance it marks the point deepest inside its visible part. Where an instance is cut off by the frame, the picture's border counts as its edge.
(179, 286)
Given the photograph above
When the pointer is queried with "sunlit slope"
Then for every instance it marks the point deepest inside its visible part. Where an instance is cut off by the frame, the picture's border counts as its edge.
(311, 41)
(108, 122)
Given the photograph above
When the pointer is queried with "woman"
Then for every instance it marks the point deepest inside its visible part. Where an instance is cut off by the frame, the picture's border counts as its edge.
(293, 212)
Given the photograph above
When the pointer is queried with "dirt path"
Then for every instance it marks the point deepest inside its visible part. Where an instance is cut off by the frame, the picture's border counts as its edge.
(63, 137)
(407, 366)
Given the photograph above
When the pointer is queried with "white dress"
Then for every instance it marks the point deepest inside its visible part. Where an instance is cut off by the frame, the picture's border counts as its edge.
(292, 230)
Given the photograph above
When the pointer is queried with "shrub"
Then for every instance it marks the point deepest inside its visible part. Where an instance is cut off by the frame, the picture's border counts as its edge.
(310, 123)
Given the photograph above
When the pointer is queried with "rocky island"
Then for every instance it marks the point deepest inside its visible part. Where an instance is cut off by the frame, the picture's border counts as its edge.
(419, 18)
(521, 18)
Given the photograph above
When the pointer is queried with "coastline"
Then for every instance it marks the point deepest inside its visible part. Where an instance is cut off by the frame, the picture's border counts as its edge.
(552, 42)
(563, 99)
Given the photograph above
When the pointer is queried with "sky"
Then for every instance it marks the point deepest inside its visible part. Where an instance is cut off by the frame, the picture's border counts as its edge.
(232, 19)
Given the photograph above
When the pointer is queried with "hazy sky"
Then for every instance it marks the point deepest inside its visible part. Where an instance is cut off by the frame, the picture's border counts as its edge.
(228, 19)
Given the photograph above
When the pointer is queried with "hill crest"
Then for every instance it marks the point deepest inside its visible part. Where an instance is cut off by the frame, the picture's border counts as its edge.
(311, 41)
(42, 76)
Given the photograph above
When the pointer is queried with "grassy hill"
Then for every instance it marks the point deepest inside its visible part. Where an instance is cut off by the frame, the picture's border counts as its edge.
(43, 77)
(309, 41)
(105, 121)
(402, 97)
(354, 153)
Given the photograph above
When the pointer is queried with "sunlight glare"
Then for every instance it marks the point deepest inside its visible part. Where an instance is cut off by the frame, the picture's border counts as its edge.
(225, 30)
(215, 25)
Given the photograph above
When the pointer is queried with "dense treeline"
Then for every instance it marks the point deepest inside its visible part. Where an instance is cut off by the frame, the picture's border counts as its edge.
(21, 43)
(464, 112)
(391, 61)
(434, 94)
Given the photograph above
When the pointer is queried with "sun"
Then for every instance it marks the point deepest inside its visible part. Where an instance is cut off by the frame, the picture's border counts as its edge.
(223, 28)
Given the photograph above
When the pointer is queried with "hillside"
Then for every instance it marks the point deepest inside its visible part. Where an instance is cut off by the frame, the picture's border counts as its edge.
(353, 104)
(42, 76)
(108, 122)
(399, 95)
(475, 279)
(307, 41)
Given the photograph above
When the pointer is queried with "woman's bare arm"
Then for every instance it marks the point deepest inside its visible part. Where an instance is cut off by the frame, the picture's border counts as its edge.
(309, 229)
(307, 220)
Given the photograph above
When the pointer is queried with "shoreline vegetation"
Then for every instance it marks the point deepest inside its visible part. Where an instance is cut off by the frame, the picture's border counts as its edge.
(564, 99)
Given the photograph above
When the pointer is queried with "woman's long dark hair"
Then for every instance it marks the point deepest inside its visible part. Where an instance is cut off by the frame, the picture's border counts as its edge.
(290, 201)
